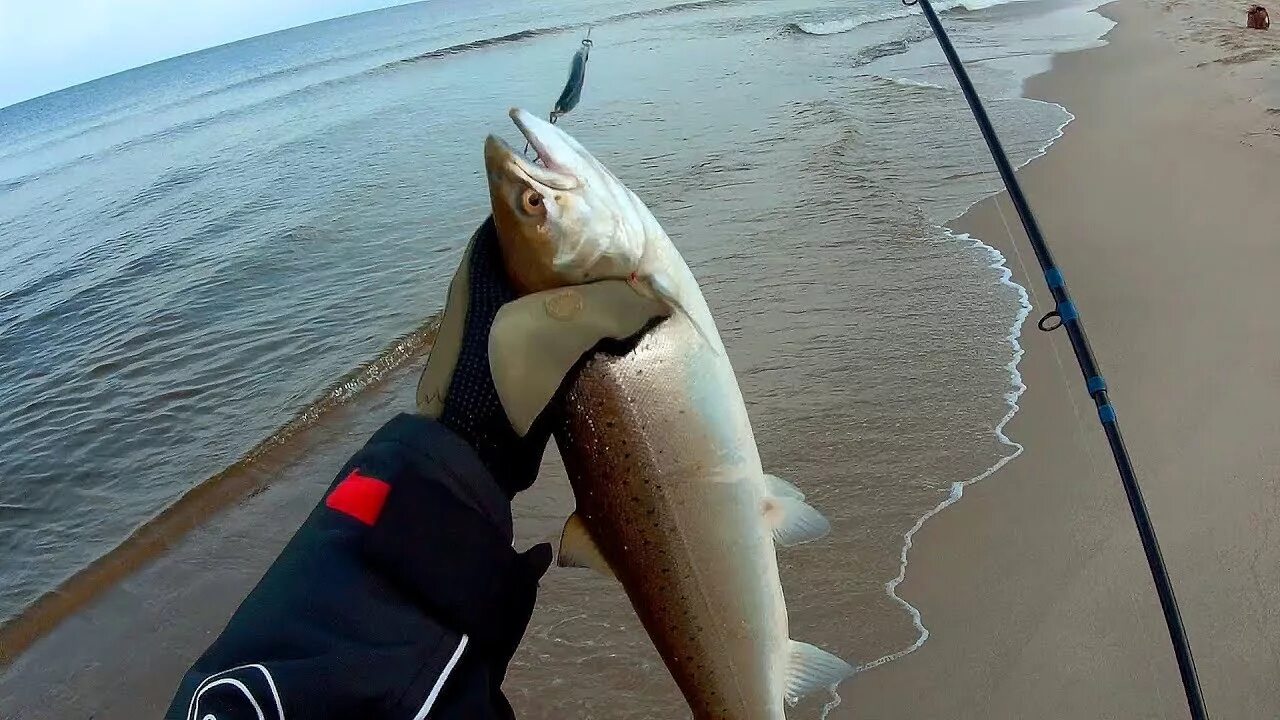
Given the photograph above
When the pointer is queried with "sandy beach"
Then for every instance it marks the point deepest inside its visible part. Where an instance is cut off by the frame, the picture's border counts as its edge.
(1162, 203)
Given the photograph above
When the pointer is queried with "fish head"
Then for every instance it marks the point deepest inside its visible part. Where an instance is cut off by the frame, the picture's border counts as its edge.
(587, 258)
(563, 219)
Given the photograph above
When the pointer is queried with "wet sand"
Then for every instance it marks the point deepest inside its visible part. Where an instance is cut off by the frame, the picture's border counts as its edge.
(1162, 204)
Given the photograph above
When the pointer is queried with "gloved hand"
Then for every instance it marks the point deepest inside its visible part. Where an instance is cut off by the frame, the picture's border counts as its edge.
(456, 386)
(401, 596)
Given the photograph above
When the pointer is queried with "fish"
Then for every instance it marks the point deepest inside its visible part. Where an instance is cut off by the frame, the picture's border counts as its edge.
(672, 499)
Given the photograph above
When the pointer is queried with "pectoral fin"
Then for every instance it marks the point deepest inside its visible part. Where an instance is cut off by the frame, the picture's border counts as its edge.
(781, 488)
(579, 549)
(793, 521)
(535, 341)
(811, 668)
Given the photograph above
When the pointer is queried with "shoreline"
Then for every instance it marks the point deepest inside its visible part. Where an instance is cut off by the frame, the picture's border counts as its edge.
(176, 603)
(1035, 590)
(1001, 261)
(957, 488)
(250, 474)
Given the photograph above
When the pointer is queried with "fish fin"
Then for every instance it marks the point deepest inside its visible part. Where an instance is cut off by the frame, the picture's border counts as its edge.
(793, 521)
(781, 488)
(434, 383)
(664, 290)
(536, 340)
(579, 549)
(810, 668)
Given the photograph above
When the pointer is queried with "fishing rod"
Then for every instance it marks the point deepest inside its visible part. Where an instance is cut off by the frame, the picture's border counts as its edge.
(1067, 316)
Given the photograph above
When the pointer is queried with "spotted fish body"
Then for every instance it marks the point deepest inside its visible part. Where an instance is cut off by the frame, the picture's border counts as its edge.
(677, 516)
(671, 496)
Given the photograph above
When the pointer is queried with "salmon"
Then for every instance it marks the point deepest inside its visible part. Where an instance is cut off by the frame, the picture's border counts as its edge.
(672, 500)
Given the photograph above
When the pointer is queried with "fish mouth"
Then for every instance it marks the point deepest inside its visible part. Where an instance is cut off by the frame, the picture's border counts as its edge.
(552, 168)
(532, 128)
(507, 165)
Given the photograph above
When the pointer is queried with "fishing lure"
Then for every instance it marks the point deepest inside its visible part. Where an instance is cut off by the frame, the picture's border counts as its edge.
(572, 92)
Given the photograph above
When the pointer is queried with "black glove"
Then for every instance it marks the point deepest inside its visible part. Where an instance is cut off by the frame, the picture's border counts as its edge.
(400, 596)
(456, 386)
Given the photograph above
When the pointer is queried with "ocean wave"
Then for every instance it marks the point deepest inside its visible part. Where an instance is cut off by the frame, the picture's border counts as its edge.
(896, 46)
(528, 33)
(478, 44)
(293, 70)
(494, 41)
(844, 25)
(907, 82)
(975, 5)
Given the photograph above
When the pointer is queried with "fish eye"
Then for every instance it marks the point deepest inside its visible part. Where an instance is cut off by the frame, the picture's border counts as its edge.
(532, 203)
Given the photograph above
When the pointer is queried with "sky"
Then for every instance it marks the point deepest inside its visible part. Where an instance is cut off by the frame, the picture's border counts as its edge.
(47, 45)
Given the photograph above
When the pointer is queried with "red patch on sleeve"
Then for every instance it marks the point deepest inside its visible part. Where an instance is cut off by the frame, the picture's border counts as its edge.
(359, 496)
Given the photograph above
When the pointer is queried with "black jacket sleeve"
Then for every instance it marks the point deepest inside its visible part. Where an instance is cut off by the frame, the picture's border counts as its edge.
(399, 597)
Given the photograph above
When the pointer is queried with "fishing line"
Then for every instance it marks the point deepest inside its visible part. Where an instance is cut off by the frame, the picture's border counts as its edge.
(1066, 315)
(1081, 437)
(1057, 355)
(1053, 343)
